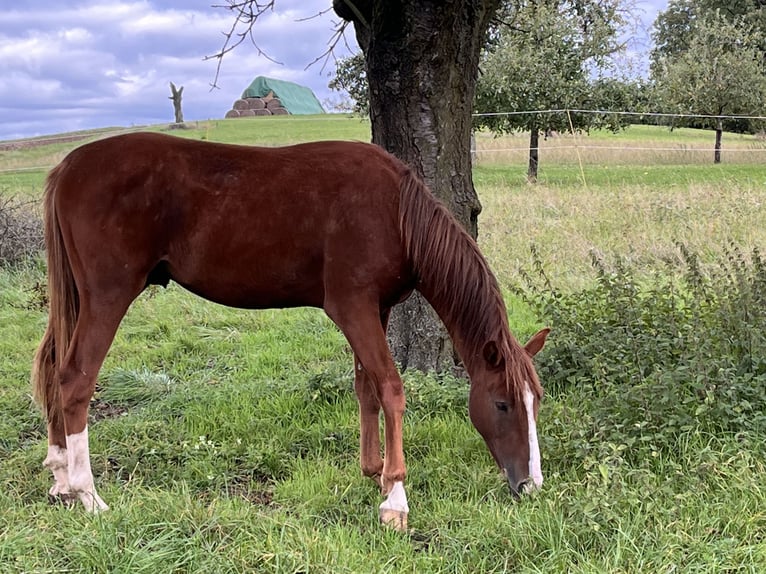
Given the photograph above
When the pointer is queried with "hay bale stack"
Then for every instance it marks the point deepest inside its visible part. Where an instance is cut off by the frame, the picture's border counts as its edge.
(268, 105)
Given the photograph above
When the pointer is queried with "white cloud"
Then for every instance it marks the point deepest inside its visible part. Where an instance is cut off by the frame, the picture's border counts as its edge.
(93, 63)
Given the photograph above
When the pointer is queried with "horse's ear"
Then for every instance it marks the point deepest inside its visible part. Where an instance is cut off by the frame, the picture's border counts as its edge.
(492, 355)
(537, 342)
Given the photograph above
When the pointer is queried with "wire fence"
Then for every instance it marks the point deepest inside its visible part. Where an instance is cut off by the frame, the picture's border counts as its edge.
(653, 145)
(621, 113)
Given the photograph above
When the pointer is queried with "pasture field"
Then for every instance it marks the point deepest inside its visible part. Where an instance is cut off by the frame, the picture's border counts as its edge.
(227, 441)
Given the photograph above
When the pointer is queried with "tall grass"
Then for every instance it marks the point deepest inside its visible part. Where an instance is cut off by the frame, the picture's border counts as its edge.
(638, 212)
(227, 441)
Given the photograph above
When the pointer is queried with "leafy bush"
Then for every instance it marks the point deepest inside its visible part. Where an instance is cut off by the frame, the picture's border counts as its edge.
(21, 231)
(660, 355)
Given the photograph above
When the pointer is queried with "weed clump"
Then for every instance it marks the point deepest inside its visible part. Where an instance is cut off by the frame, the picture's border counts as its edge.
(662, 355)
(21, 231)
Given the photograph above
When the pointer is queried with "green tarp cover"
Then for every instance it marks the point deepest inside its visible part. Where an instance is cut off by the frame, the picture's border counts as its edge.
(296, 99)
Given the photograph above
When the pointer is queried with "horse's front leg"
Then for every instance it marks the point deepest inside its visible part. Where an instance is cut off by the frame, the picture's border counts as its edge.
(393, 510)
(389, 472)
(361, 322)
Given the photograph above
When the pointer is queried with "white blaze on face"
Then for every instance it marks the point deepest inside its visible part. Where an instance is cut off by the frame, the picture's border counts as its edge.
(535, 469)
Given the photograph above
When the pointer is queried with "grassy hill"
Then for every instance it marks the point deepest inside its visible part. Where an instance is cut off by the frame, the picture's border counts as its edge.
(227, 441)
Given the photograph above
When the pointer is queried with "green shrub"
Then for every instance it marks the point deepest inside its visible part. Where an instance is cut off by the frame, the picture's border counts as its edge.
(663, 354)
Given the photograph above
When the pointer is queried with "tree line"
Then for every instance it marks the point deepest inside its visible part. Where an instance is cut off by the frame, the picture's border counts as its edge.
(708, 61)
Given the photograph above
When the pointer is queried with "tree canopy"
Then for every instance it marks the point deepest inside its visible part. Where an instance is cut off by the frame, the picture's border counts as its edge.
(675, 26)
(545, 57)
(713, 68)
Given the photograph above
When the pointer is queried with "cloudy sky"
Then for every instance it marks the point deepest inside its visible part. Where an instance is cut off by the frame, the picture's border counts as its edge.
(99, 63)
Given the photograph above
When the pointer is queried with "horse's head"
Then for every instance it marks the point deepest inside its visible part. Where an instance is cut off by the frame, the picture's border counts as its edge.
(503, 406)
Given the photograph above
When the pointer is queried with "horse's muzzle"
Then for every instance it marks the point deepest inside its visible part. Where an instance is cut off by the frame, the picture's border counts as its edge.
(526, 486)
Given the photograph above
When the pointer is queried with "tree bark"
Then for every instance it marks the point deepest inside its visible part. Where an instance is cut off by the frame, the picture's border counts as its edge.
(534, 154)
(422, 60)
(176, 97)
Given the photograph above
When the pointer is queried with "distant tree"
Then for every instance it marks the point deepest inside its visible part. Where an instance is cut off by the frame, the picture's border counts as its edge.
(751, 11)
(721, 72)
(672, 31)
(544, 58)
(616, 94)
(675, 26)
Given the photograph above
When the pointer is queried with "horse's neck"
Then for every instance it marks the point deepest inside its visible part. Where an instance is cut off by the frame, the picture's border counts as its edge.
(471, 326)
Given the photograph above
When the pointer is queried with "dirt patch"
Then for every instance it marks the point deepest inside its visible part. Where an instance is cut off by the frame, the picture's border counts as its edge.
(15, 145)
(254, 495)
(100, 410)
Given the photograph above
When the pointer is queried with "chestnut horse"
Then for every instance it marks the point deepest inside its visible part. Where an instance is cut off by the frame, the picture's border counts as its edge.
(338, 225)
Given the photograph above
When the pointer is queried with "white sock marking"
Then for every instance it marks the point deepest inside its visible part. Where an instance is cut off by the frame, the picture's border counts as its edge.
(56, 462)
(396, 500)
(535, 468)
(80, 475)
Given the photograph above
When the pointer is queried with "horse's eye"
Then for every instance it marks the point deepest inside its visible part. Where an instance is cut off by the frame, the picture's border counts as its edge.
(501, 406)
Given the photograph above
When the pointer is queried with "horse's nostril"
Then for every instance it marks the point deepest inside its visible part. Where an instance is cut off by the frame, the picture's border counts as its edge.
(527, 486)
(517, 489)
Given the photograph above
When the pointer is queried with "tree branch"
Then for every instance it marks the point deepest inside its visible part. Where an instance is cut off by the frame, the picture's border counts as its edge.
(247, 13)
(337, 36)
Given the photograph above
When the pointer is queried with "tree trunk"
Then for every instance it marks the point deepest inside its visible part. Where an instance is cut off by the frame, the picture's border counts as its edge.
(176, 97)
(718, 137)
(422, 61)
(534, 154)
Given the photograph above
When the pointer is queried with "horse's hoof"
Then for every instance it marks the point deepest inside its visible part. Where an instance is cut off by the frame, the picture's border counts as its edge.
(62, 498)
(396, 519)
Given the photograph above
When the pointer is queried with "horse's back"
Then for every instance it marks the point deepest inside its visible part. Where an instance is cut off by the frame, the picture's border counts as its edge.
(244, 226)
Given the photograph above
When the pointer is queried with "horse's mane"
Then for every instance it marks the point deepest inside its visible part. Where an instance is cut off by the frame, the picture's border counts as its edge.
(456, 280)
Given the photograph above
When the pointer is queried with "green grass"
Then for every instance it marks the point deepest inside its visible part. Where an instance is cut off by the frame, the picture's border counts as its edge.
(227, 441)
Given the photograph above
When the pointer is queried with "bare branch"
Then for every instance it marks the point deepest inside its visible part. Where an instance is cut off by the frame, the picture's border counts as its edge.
(332, 43)
(317, 15)
(247, 13)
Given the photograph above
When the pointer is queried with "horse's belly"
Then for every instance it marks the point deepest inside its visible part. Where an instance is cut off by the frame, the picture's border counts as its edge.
(255, 285)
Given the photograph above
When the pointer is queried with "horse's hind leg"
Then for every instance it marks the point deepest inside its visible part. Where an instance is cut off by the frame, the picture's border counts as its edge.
(369, 423)
(369, 418)
(56, 459)
(96, 325)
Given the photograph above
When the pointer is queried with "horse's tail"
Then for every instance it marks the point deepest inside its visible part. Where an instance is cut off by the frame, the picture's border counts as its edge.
(64, 304)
